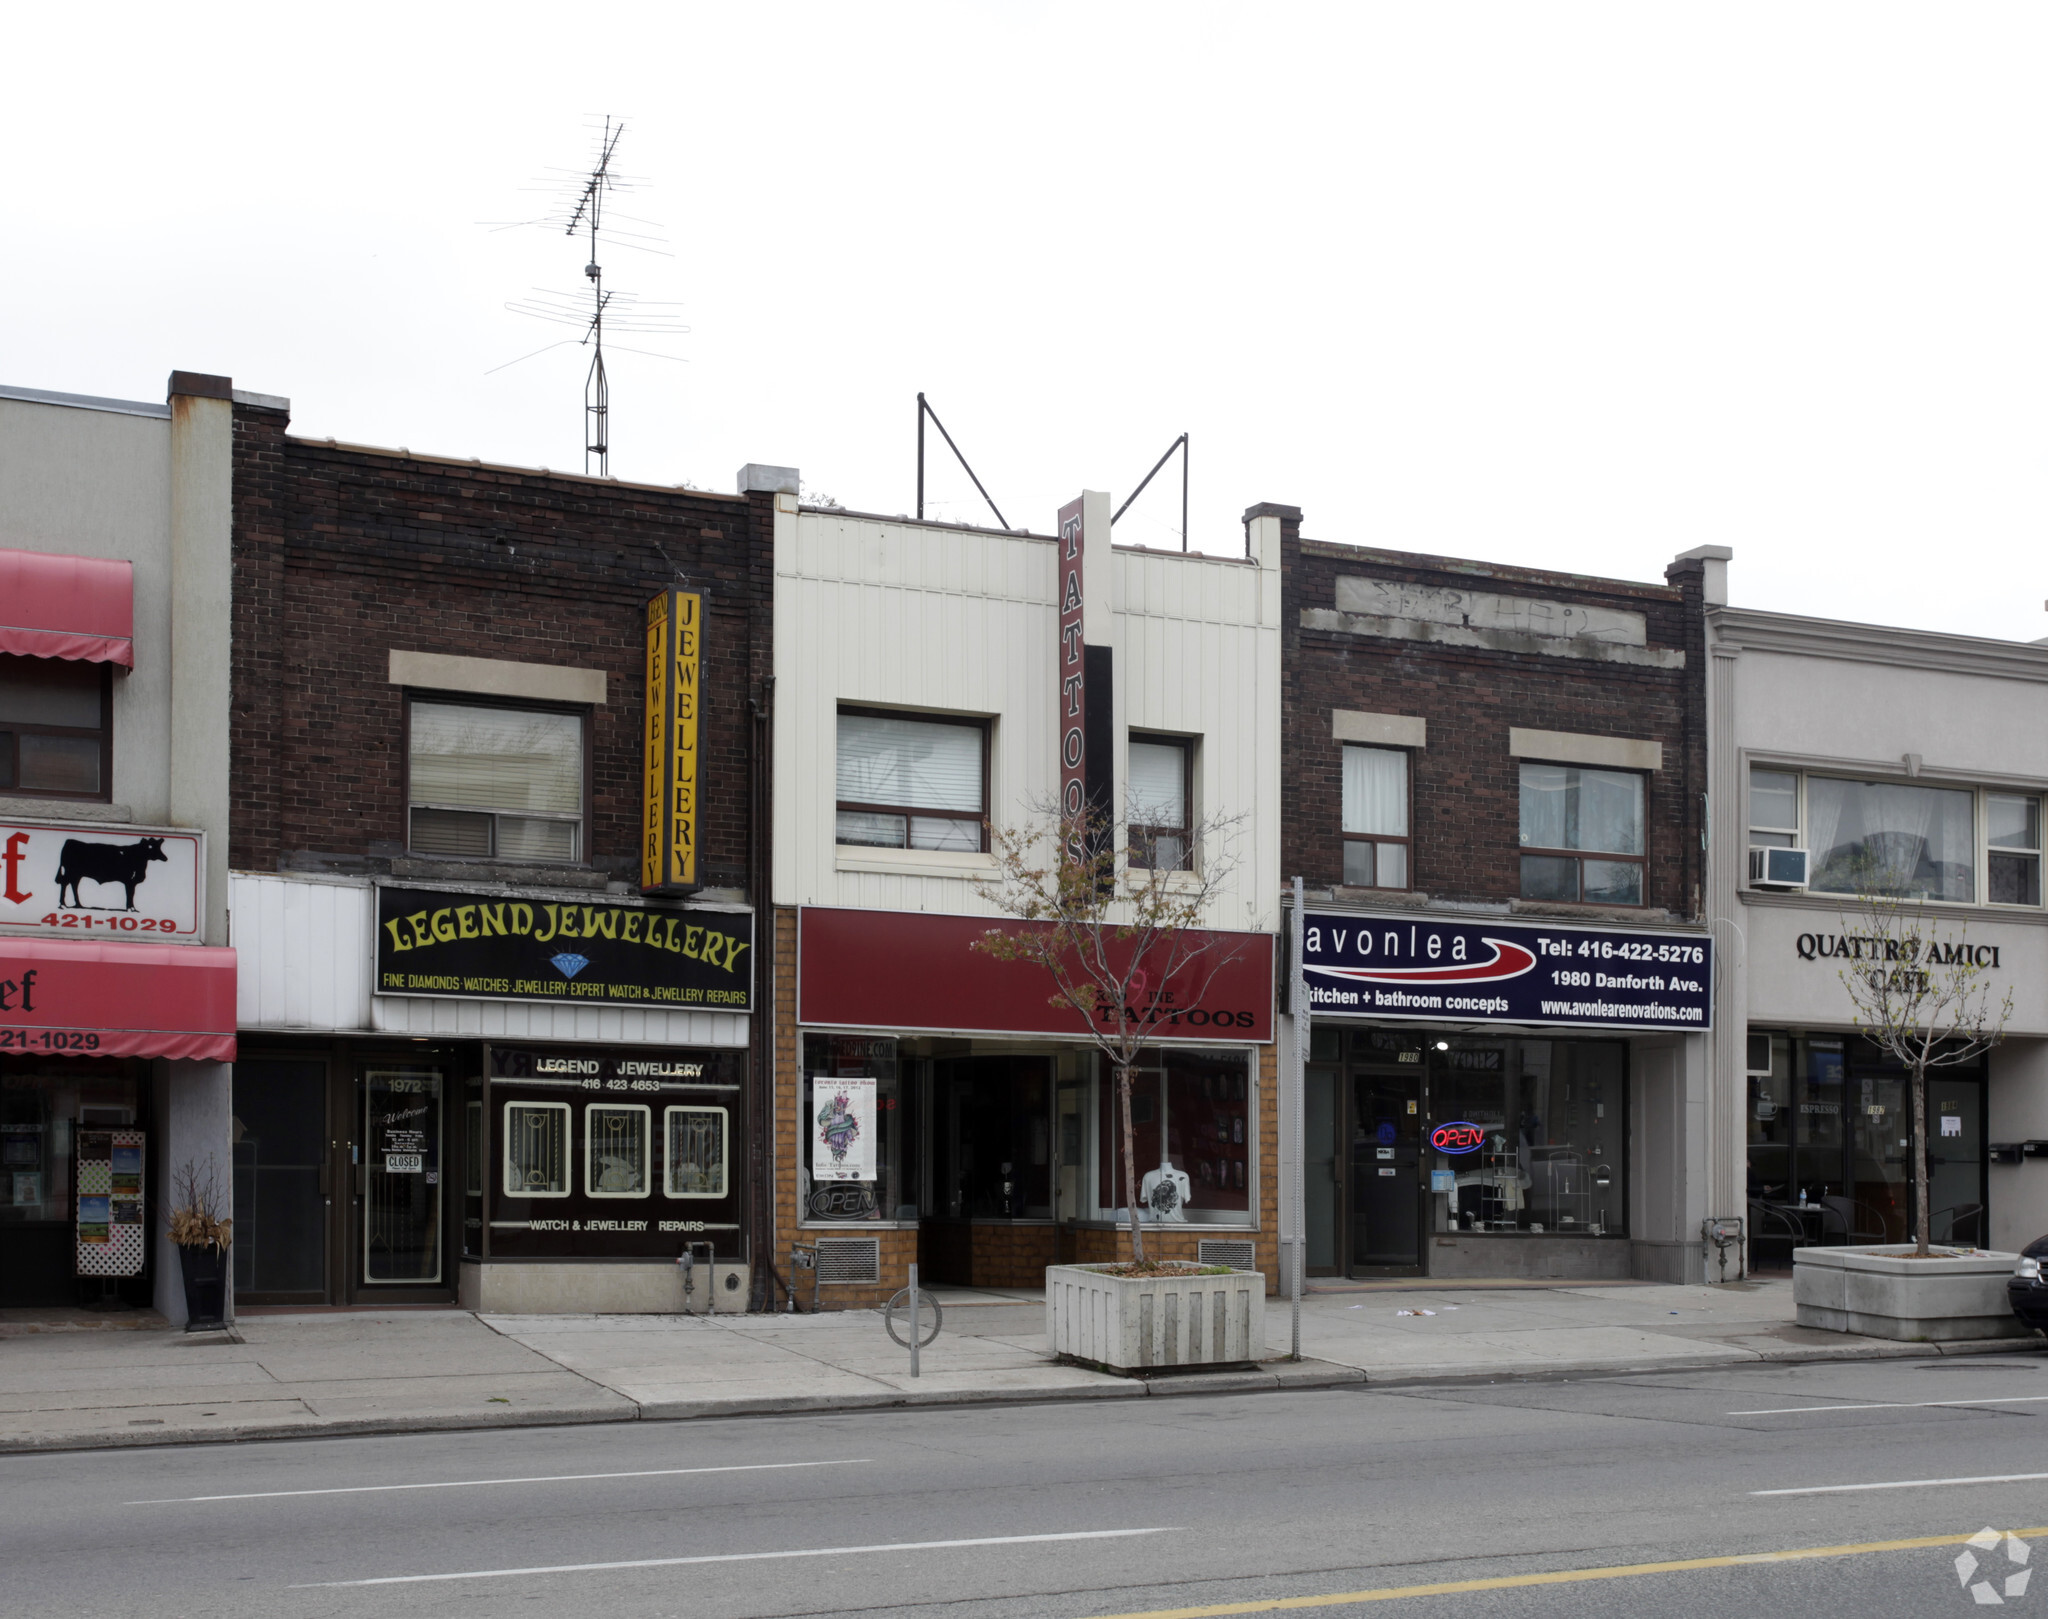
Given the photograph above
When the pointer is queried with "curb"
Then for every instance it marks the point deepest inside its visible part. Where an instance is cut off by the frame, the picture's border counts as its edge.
(1275, 1377)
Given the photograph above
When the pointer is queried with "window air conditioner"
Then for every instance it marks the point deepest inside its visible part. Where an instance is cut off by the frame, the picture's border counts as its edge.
(1777, 868)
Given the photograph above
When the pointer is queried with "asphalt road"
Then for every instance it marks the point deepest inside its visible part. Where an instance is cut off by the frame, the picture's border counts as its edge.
(1557, 1498)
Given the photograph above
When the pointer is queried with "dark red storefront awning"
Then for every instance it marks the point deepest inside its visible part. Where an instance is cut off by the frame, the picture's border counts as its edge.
(911, 970)
(82, 608)
(116, 1000)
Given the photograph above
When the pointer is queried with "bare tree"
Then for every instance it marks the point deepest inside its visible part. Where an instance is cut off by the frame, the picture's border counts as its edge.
(1124, 946)
(1921, 995)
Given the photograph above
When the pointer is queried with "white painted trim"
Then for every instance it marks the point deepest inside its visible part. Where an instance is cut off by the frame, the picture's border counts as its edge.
(1381, 730)
(1573, 748)
(973, 865)
(497, 677)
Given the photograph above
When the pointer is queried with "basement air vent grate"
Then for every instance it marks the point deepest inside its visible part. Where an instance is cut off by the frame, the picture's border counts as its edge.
(1220, 1251)
(844, 1260)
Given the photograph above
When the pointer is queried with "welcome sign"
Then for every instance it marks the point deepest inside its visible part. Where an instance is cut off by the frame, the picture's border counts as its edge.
(603, 953)
(1486, 972)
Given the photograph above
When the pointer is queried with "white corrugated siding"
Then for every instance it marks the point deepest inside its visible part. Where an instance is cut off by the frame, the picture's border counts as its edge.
(304, 963)
(906, 616)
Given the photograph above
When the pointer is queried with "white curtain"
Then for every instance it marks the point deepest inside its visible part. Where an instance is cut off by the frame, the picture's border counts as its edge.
(1901, 839)
(1825, 798)
(1376, 792)
(1610, 812)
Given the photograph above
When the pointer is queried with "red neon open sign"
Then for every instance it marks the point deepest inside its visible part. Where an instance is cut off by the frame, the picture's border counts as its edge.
(1457, 1136)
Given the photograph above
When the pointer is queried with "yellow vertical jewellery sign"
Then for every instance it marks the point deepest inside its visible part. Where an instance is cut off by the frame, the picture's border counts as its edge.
(668, 823)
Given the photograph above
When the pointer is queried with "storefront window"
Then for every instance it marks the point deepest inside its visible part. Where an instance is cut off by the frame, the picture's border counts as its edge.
(696, 1151)
(40, 1114)
(1831, 1147)
(613, 1152)
(536, 1149)
(616, 1149)
(890, 1195)
(1528, 1135)
(1192, 1119)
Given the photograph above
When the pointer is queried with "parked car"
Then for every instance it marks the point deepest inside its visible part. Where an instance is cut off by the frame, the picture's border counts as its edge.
(2027, 1291)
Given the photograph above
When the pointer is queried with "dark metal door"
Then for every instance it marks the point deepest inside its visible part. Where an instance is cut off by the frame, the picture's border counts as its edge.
(1386, 1168)
(1323, 1170)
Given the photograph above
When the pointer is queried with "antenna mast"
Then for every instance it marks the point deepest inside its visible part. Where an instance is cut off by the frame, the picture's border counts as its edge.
(589, 214)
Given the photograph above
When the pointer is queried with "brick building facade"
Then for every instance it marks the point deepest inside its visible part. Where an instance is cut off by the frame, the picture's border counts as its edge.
(439, 705)
(1494, 777)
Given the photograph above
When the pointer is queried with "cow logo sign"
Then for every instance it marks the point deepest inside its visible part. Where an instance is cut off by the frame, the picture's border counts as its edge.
(79, 881)
(105, 865)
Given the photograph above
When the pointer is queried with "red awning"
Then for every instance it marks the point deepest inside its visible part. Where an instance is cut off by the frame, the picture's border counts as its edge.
(58, 997)
(911, 970)
(82, 608)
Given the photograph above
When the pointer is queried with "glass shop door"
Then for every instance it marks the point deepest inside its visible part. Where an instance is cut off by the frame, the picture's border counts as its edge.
(1322, 1186)
(1386, 1168)
(398, 1178)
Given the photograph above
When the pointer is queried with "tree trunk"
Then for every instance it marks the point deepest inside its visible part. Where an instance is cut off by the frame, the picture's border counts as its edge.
(1123, 1097)
(1924, 1217)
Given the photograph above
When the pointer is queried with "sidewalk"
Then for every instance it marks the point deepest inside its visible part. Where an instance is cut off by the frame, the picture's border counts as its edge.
(291, 1375)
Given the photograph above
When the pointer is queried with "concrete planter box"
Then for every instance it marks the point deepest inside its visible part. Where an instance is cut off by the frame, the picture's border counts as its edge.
(1139, 1322)
(1876, 1293)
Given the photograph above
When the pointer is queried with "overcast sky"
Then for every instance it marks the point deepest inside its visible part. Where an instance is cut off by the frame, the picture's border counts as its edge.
(1569, 286)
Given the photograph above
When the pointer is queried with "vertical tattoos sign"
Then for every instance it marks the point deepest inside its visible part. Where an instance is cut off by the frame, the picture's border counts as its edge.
(1072, 667)
(668, 819)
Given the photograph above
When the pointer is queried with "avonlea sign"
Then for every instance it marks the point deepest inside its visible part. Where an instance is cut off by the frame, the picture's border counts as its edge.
(1487, 972)
(78, 880)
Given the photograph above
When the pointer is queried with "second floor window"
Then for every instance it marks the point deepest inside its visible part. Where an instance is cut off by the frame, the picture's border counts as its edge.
(54, 728)
(1901, 838)
(1582, 835)
(1375, 818)
(1161, 836)
(496, 783)
(912, 783)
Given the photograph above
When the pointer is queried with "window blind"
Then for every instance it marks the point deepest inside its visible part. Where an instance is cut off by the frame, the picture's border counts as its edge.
(1159, 784)
(497, 758)
(919, 764)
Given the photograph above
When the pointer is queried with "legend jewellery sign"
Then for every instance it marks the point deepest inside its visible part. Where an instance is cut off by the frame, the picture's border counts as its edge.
(669, 792)
(1486, 972)
(431, 942)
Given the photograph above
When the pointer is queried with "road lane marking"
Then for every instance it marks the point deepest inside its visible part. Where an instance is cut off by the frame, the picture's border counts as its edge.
(744, 1557)
(1573, 1576)
(477, 1483)
(1896, 1405)
(1907, 1484)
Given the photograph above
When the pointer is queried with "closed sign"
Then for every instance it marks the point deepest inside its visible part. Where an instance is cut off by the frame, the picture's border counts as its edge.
(81, 881)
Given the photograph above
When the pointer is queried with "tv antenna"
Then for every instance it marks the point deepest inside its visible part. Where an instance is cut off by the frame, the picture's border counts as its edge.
(584, 211)
(597, 394)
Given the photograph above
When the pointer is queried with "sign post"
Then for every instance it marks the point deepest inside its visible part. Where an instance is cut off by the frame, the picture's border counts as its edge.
(1297, 1134)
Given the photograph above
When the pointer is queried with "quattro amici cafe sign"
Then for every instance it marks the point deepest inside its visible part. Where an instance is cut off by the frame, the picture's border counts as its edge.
(602, 953)
(1489, 972)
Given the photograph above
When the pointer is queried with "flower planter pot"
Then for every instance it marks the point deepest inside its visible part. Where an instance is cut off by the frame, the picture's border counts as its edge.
(1136, 1323)
(206, 1287)
(1876, 1292)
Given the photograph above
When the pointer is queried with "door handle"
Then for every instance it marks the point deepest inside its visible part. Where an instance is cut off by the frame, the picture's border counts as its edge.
(362, 1179)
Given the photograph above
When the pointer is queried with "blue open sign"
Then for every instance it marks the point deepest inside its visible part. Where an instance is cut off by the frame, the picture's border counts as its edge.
(1457, 1136)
